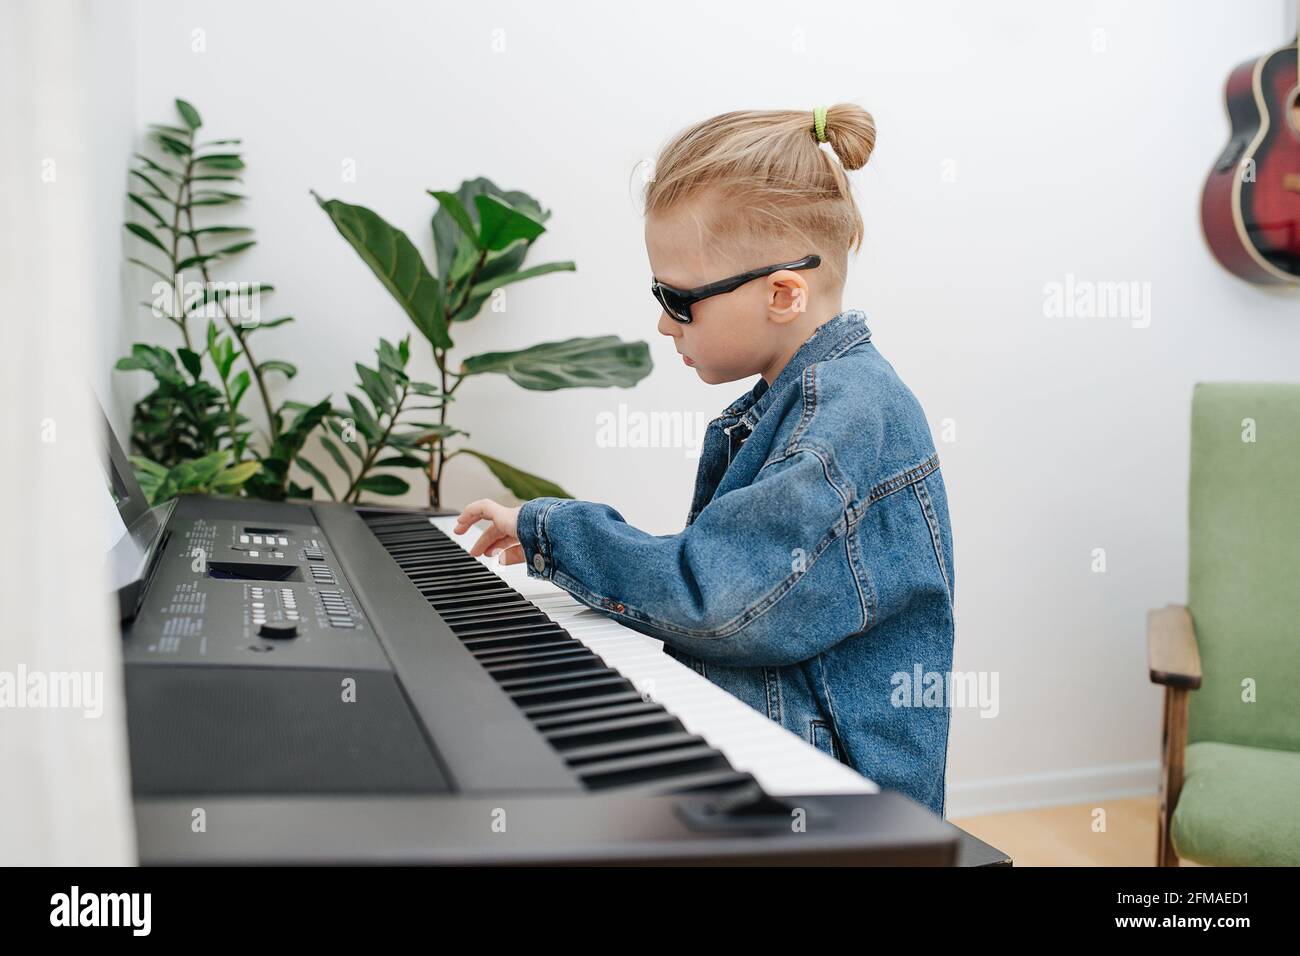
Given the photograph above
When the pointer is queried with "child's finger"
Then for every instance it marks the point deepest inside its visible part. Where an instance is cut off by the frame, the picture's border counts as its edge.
(474, 512)
(512, 555)
(487, 539)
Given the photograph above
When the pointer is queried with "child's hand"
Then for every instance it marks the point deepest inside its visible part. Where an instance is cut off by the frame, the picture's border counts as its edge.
(500, 539)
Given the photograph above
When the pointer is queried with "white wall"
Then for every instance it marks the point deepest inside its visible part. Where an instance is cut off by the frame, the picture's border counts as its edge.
(1071, 434)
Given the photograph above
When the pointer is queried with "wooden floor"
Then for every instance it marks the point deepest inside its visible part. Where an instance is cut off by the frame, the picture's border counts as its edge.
(1068, 836)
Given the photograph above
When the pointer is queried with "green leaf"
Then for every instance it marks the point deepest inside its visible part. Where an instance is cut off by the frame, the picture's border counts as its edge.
(365, 422)
(598, 362)
(237, 247)
(207, 229)
(143, 233)
(456, 209)
(190, 359)
(501, 225)
(336, 426)
(520, 483)
(220, 160)
(216, 194)
(380, 394)
(189, 114)
(238, 387)
(161, 170)
(172, 145)
(140, 201)
(235, 475)
(157, 361)
(447, 234)
(148, 182)
(384, 485)
(339, 458)
(276, 365)
(194, 261)
(158, 272)
(413, 440)
(396, 263)
(484, 286)
(400, 461)
(316, 474)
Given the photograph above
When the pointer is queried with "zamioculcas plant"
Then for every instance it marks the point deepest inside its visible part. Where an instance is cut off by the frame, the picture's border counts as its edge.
(186, 420)
(481, 236)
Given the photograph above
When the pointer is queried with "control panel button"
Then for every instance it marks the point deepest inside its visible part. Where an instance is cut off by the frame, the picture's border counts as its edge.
(278, 629)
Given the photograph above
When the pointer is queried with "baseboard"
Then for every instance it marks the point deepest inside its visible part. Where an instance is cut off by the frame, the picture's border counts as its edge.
(1034, 790)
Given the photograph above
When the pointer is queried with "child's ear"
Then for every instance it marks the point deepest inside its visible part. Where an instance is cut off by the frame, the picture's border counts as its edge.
(788, 296)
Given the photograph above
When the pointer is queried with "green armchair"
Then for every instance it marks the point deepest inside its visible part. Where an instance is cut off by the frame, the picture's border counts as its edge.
(1230, 661)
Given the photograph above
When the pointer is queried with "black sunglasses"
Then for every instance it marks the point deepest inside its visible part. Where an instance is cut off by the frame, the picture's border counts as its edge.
(677, 302)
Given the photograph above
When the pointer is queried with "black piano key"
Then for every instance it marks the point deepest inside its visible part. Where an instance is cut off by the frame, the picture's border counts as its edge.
(556, 708)
(620, 771)
(507, 615)
(629, 747)
(494, 664)
(538, 651)
(553, 720)
(721, 778)
(545, 675)
(571, 690)
(480, 630)
(491, 641)
(615, 728)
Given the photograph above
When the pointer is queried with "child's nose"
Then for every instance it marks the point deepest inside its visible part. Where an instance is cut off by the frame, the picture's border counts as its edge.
(667, 326)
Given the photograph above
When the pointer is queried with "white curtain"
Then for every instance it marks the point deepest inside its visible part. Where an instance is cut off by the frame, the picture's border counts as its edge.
(64, 792)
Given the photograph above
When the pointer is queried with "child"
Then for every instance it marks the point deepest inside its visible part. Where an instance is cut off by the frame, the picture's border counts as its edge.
(814, 575)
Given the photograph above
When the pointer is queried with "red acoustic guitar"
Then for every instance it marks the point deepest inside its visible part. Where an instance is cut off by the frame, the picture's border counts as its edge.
(1250, 209)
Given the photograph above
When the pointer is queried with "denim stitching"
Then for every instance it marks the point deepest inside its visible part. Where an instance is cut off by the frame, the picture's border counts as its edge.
(830, 704)
(850, 548)
(897, 483)
(771, 683)
(932, 523)
(809, 378)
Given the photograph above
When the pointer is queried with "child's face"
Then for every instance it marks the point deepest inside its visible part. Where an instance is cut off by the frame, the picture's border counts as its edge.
(735, 335)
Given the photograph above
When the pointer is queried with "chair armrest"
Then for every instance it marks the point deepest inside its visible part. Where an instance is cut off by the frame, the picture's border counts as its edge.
(1172, 656)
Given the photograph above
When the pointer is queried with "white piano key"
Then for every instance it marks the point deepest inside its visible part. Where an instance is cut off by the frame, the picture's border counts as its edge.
(780, 761)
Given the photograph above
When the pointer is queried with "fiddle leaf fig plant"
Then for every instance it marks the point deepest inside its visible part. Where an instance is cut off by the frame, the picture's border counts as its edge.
(481, 237)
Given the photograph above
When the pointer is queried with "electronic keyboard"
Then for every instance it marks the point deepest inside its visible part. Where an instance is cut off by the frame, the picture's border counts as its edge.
(316, 682)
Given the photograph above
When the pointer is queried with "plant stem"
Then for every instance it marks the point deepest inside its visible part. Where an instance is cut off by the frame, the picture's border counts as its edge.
(238, 332)
(181, 200)
(375, 448)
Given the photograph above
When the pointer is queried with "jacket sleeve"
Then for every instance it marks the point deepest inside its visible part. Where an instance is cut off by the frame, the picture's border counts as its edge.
(740, 585)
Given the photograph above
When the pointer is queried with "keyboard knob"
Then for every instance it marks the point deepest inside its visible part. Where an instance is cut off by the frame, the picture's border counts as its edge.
(278, 629)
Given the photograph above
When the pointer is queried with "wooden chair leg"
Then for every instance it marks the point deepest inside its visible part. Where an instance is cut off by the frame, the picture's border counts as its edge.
(1172, 746)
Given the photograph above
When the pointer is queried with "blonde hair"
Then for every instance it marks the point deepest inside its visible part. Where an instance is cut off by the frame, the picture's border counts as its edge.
(766, 180)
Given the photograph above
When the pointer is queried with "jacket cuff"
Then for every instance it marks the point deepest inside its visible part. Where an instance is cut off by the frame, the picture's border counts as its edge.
(539, 552)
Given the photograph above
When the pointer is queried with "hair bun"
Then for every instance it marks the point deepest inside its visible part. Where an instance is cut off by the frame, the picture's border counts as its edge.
(852, 134)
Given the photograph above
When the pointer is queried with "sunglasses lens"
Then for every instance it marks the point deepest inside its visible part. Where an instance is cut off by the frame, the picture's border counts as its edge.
(672, 303)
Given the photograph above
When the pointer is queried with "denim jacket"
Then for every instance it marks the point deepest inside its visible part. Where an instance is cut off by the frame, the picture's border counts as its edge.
(814, 578)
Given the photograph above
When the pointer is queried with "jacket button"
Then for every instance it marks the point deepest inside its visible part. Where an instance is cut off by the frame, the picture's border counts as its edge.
(539, 562)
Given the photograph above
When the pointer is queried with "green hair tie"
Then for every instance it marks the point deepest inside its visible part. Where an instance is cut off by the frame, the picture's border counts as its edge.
(819, 122)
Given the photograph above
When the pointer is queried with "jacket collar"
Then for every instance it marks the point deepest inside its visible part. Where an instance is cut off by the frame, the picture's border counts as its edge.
(830, 339)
